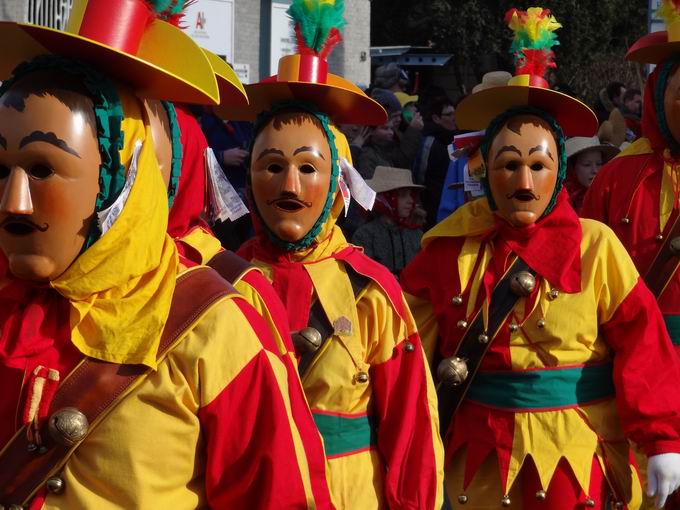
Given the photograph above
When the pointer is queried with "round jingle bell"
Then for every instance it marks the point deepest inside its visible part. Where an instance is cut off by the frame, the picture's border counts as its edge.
(307, 340)
(68, 426)
(522, 284)
(452, 371)
(674, 246)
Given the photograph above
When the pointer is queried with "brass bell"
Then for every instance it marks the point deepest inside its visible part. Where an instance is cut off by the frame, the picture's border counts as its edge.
(483, 338)
(457, 300)
(553, 293)
(540, 495)
(16, 507)
(540, 323)
(55, 485)
(625, 220)
(522, 284)
(513, 327)
(462, 324)
(68, 426)
(590, 503)
(452, 371)
(618, 504)
(306, 340)
(658, 237)
(409, 347)
(505, 500)
(462, 499)
(362, 377)
(674, 246)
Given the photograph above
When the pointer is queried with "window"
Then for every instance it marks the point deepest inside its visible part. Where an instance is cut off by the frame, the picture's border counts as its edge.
(49, 13)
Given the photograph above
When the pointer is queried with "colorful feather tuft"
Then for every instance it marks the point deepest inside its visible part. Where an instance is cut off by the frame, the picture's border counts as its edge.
(669, 11)
(533, 40)
(318, 25)
(170, 11)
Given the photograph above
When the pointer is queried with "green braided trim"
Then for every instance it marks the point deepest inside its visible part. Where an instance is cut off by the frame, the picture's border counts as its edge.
(176, 166)
(109, 118)
(496, 125)
(262, 120)
(659, 93)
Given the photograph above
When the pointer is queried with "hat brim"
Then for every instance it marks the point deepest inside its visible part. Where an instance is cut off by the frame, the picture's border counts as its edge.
(340, 99)
(231, 89)
(169, 65)
(653, 48)
(608, 151)
(389, 187)
(477, 110)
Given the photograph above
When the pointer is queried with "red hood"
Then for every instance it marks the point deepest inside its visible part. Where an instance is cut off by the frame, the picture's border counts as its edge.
(650, 123)
(190, 201)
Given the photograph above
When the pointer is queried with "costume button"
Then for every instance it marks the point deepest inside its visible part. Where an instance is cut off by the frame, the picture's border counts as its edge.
(505, 500)
(540, 323)
(362, 377)
(462, 499)
(457, 300)
(409, 347)
(462, 324)
(540, 495)
(658, 237)
(55, 485)
(625, 220)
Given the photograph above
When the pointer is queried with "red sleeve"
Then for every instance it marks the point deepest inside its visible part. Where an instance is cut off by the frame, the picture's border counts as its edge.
(302, 416)
(251, 460)
(433, 269)
(406, 428)
(646, 373)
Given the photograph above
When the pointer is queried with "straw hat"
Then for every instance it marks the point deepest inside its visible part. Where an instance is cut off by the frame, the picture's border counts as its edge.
(533, 39)
(304, 76)
(578, 144)
(656, 47)
(129, 41)
(492, 79)
(387, 178)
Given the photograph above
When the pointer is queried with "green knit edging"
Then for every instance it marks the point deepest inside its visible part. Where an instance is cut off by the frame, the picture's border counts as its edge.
(262, 120)
(176, 166)
(496, 125)
(109, 118)
(659, 93)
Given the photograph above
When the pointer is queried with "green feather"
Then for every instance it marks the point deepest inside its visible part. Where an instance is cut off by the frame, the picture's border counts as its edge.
(167, 6)
(316, 19)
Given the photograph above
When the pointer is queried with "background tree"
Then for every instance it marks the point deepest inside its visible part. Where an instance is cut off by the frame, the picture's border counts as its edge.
(593, 40)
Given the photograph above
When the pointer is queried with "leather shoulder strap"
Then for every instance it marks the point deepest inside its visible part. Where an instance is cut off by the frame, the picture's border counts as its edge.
(94, 387)
(319, 320)
(475, 343)
(230, 266)
(666, 261)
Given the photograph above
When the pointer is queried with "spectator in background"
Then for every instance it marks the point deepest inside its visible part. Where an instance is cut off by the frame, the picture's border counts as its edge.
(609, 98)
(230, 141)
(433, 159)
(632, 112)
(585, 157)
(386, 144)
(391, 238)
(395, 79)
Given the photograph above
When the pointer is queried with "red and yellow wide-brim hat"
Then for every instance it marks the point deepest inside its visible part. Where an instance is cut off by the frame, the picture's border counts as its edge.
(477, 110)
(125, 40)
(303, 77)
(232, 92)
(656, 47)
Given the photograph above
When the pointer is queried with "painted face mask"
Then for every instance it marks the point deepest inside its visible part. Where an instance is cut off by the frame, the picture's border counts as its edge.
(522, 169)
(292, 171)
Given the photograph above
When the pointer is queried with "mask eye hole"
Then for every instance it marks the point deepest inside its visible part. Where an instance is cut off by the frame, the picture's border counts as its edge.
(40, 172)
(307, 169)
(536, 167)
(512, 166)
(274, 168)
(4, 172)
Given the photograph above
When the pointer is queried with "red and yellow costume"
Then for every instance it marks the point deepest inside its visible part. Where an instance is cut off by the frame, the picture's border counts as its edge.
(525, 423)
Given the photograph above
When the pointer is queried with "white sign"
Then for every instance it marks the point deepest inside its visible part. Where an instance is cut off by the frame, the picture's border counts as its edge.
(243, 72)
(211, 24)
(282, 38)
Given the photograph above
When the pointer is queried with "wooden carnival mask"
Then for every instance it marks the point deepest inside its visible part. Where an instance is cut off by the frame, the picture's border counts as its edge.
(49, 175)
(290, 174)
(522, 166)
(671, 103)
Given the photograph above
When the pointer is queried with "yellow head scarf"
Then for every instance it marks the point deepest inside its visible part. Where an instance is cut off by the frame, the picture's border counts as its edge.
(120, 289)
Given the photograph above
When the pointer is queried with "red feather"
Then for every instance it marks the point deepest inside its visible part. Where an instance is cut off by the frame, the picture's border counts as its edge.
(334, 37)
(536, 62)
